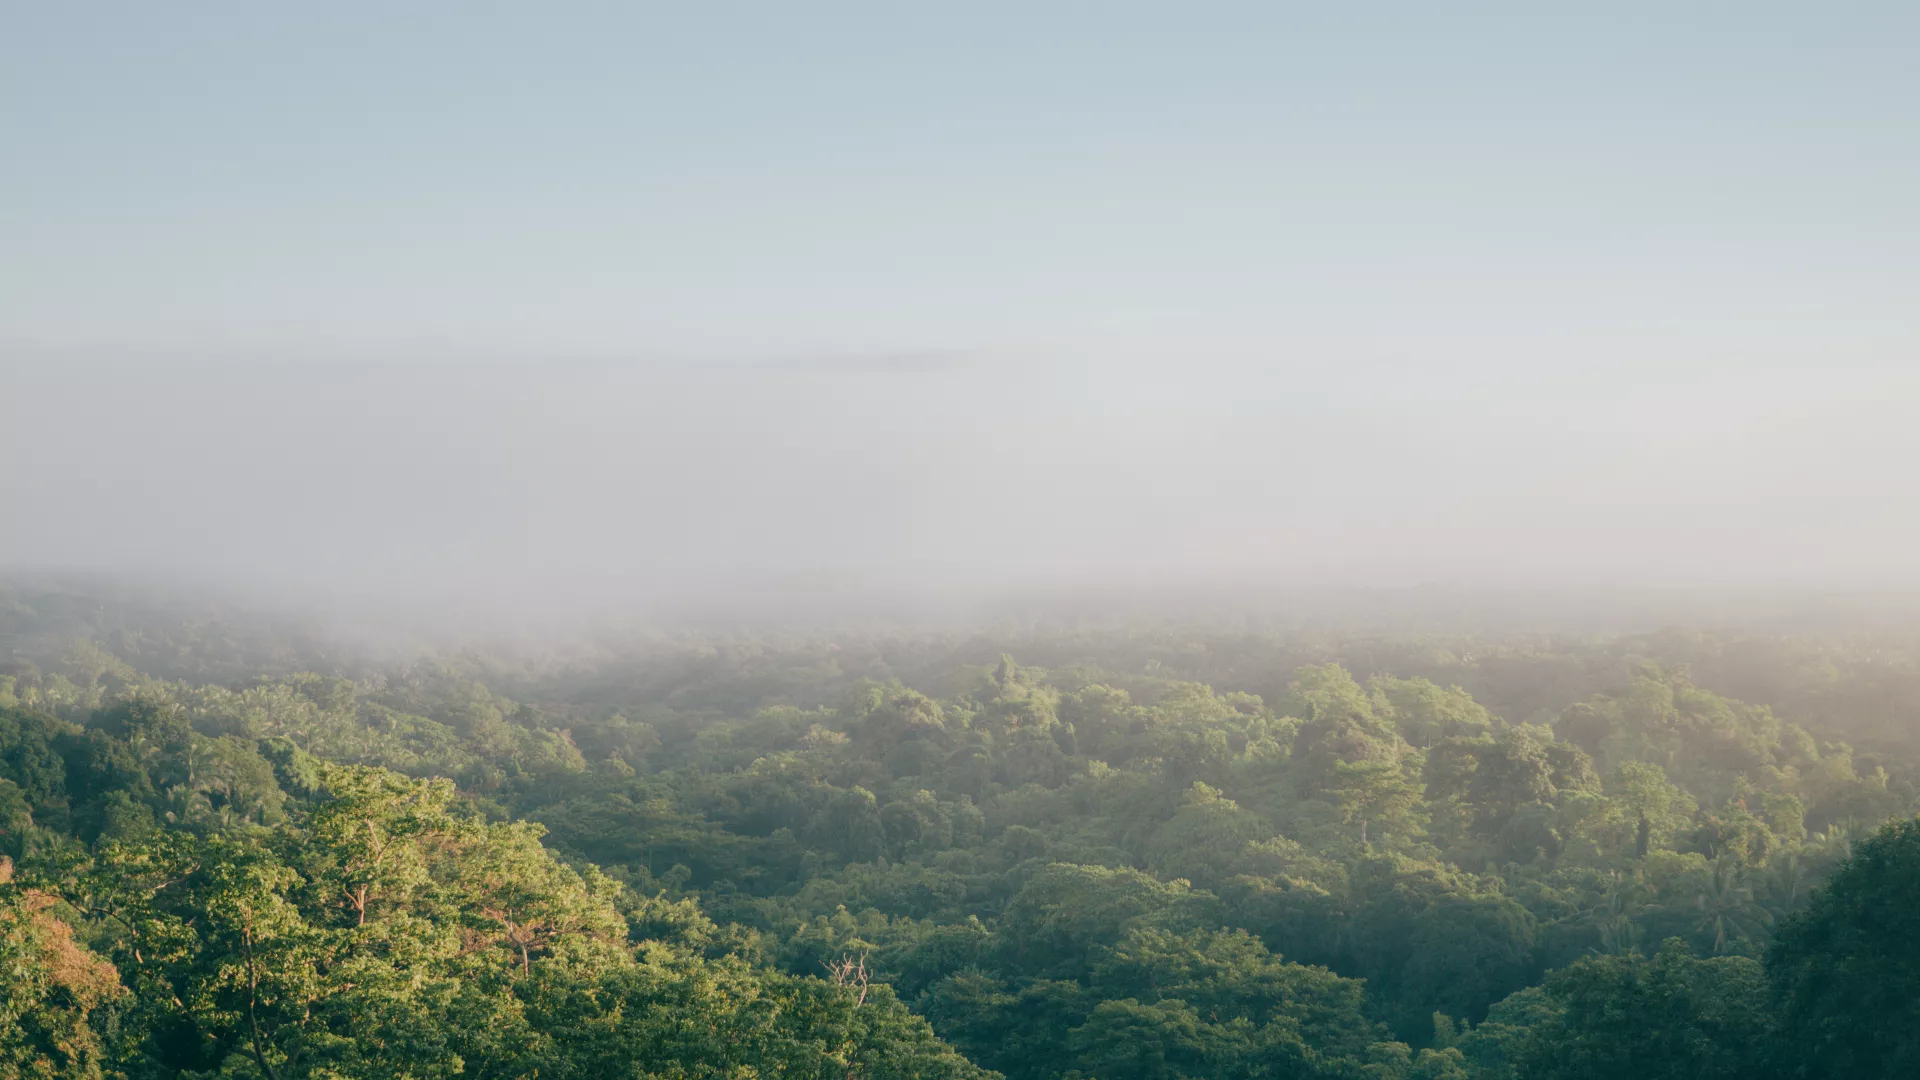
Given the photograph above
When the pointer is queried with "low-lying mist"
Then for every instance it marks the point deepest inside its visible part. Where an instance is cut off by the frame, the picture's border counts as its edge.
(471, 491)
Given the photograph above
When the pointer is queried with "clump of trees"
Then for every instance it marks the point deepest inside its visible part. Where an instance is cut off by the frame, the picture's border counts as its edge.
(394, 932)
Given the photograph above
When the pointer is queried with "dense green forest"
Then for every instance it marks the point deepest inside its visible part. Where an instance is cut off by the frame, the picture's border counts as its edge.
(1156, 852)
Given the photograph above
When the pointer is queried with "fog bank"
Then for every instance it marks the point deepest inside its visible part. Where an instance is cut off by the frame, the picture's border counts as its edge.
(610, 485)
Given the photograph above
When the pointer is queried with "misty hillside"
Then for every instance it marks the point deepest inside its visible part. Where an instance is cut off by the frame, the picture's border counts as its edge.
(1152, 853)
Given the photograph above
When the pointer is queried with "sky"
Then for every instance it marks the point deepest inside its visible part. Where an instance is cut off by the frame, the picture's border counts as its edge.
(603, 301)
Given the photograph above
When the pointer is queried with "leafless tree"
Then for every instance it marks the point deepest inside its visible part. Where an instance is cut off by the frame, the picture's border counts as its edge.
(850, 973)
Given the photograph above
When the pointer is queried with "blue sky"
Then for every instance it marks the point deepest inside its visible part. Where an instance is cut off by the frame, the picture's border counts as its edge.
(726, 179)
(1625, 242)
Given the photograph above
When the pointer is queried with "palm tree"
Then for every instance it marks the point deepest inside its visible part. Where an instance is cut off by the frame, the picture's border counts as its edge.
(1615, 919)
(1787, 881)
(1619, 936)
(1726, 906)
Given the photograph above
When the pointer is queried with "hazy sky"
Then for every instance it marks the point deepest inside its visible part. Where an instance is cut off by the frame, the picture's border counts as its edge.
(983, 294)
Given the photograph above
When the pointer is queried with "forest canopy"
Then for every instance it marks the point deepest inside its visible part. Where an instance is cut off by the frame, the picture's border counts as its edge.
(1124, 853)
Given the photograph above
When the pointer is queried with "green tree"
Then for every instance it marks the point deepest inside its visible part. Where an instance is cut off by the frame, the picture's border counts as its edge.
(1845, 972)
(52, 990)
(1672, 1016)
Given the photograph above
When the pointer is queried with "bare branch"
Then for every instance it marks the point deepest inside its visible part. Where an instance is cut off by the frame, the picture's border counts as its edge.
(851, 974)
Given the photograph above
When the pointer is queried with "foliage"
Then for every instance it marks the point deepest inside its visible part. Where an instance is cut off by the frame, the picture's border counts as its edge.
(1140, 853)
(1846, 969)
